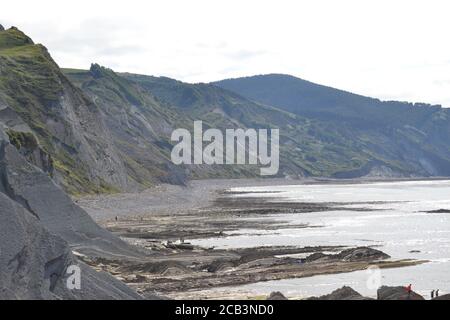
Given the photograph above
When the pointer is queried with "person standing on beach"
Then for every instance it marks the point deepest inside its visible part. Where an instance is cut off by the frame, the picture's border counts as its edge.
(437, 293)
(432, 294)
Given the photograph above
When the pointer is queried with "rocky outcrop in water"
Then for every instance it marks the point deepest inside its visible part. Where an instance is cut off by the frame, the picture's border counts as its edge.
(439, 211)
(397, 293)
(350, 255)
(383, 293)
(443, 297)
(276, 296)
(344, 293)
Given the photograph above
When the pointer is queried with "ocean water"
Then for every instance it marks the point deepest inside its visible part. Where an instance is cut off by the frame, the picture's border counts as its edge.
(397, 226)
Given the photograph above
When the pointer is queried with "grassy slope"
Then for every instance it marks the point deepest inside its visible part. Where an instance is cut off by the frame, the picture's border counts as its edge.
(309, 146)
(144, 137)
(137, 121)
(31, 83)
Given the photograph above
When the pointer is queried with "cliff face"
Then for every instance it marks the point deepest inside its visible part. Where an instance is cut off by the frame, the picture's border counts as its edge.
(36, 97)
(140, 126)
(101, 131)
(25, 184)
(39, 229)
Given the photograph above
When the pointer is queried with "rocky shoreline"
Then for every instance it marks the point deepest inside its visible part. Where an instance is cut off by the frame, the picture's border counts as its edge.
(181, 271)
(184, 274)
(383, 293)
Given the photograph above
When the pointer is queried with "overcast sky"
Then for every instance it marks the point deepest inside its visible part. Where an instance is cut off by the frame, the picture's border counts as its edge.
(387, 49)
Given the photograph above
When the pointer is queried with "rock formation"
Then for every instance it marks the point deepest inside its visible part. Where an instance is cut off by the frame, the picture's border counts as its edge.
(397, 293)
(443, 297)
(353, 254)
(276, 296)
(344, 293)
(40, 226)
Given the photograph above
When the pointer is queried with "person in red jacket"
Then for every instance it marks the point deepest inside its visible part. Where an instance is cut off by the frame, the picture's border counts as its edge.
(409, 290)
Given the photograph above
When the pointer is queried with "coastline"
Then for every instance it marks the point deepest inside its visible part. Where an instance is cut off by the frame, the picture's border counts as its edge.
(156, 217)
(174, 199)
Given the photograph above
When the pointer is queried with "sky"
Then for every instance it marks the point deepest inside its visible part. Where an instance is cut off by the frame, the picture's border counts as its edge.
(392, 50)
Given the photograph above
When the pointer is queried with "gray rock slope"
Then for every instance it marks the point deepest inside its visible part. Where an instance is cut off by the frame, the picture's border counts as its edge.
(35, 190)
(34, 262)
(397, 293)
(39, 228)
(344, 293)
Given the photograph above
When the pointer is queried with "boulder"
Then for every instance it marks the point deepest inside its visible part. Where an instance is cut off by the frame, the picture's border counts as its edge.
(276, 296)
(344, 293)
(443, 297)
(362, 254)
(397, 293)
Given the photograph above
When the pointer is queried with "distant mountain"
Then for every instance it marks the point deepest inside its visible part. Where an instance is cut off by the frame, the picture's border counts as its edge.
(313, 100)
(411, 135)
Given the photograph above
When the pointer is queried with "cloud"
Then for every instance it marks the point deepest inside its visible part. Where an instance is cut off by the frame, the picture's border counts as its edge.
(245, 54)
(336, 43)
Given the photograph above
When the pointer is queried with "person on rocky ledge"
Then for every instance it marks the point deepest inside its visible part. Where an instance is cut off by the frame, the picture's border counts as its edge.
(409, 290)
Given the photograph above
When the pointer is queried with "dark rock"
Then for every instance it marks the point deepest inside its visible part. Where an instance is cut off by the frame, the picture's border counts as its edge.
(37, 222)
(97, 71)
(344, 293)
(316, 257)
(276, 296)
(30, 149)
(397, 293)
(35, 190)
(443, 297)
(362, 254)
(34, 262)
(220, 265)
(1, 28)
(351, 255)
(438, 211)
